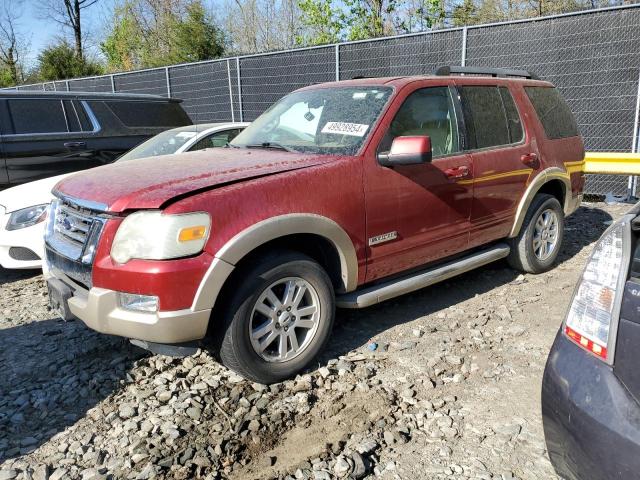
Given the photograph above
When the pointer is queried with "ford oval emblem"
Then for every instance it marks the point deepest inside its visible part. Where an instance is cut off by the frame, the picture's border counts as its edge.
(67, 224)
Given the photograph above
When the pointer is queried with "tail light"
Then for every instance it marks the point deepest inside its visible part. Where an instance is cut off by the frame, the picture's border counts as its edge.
(594, 311)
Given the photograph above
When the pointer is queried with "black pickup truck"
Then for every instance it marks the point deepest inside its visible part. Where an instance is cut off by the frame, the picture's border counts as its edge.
(43, 134)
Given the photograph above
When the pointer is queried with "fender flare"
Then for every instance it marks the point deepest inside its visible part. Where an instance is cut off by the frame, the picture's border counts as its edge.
(546, 175)
(262, 232)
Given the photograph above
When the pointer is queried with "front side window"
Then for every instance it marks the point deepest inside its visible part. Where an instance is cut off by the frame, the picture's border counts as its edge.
(553, 112)
(327, 120)
(427, 112)
(37, 116)
(486, 117)
(217, 139)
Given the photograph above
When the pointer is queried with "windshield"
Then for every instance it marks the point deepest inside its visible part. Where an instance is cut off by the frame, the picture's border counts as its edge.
(164, 143)
(326, 120)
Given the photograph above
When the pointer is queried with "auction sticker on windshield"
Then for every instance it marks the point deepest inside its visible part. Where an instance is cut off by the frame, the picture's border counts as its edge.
(344, 128)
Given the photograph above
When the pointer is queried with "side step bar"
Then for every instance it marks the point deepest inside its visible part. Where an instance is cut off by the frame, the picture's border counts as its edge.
(378, 293)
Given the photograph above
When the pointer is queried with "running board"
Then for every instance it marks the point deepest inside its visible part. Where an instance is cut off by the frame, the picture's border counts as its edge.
(378, 293)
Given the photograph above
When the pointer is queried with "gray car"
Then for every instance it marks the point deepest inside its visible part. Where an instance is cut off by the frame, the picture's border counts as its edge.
(591, 384)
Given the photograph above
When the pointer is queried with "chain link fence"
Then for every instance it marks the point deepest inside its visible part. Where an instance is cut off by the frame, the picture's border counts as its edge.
(593, 57)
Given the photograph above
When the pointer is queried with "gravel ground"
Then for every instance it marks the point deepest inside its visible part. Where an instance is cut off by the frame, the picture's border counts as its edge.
(442, 383)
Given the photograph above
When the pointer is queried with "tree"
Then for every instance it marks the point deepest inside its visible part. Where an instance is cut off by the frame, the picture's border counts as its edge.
(323, 23)
(464, 13)
(196, 37)
(69, 14)
(152, 33)
(59, 62)
(13, 45)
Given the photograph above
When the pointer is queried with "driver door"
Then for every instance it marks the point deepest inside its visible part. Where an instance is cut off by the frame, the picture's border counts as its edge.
(417, 214)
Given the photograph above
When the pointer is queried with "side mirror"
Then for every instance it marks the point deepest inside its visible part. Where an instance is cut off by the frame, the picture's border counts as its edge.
(407, 151)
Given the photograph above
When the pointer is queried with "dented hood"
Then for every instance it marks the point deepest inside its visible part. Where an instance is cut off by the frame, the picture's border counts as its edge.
(151, 182)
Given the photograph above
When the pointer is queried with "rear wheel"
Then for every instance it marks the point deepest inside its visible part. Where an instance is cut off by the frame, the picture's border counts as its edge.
(536, 248)
(279, 318)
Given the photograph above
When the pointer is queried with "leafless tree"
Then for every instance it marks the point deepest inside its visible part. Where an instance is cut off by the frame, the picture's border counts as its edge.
(13, 44)
(69, 14)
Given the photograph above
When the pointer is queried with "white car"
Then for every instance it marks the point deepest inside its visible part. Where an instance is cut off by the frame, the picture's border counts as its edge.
(23, 208)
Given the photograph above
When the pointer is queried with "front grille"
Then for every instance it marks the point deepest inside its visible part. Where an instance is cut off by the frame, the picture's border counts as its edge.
(72, 224)
(73, 230)
(23, 254)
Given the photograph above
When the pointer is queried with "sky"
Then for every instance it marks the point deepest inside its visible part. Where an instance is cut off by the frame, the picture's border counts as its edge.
(42, 32)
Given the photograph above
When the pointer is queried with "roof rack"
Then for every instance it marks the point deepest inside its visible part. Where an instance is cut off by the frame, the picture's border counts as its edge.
(494, 72)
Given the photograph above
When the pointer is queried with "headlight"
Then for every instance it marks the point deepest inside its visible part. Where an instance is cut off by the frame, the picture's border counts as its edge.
(27, 217)
(596, 300)
(152, 235)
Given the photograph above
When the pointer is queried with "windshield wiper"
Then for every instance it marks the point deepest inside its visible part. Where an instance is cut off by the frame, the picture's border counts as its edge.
(274, 145)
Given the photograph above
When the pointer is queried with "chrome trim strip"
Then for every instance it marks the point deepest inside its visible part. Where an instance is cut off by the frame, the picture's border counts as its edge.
(88, 204)
(393, 288)
(92, 117)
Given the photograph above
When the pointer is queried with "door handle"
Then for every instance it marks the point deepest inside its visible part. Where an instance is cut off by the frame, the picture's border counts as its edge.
(75, 145)
(530, 160)
(457, 172)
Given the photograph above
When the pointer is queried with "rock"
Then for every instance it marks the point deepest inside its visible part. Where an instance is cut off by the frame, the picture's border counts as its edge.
(324, 372)
(194, 413)
(59, 474)
(367, 447)
(164, 396)
(342, 467)
(126, 411)
(372, 346)
(503, 312)
(516, 330)
(417, 332)
(8, 474)
(359, 466)
(389, 437)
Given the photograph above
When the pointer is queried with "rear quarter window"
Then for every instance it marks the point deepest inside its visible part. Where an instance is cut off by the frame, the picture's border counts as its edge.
(553, 112)
(149, 114)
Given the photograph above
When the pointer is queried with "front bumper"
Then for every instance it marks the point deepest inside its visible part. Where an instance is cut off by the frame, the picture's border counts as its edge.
(29, 239)
(591, 422)
(99, 309)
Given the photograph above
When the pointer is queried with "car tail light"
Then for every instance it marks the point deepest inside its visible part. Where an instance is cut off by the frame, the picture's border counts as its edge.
(596, 300)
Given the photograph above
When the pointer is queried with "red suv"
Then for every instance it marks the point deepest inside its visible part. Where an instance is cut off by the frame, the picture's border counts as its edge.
(341, 194)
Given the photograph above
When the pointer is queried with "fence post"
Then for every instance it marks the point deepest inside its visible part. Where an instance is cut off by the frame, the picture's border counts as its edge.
(463, 60)
(239, 89)
(166, 76)
(66, 82)
(337, 62)
(113, 84)
(635, 144)
(233, 116)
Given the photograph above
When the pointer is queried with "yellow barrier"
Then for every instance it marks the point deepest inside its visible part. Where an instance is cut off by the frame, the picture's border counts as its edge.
(612, 163)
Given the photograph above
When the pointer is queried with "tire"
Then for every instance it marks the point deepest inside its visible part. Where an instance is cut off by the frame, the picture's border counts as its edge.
(524, 256)
(274, 273)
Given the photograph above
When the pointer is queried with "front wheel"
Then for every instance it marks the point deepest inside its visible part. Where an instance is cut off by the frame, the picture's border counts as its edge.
(536, 248)
(279, 319)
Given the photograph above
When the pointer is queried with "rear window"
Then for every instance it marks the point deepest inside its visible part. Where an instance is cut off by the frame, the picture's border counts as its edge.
(149, 114)
(553, 112)
(37, 116)
(485, 117)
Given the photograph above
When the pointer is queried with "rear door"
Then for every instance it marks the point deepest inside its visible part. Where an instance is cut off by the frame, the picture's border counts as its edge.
(46, 137)
(503, 156)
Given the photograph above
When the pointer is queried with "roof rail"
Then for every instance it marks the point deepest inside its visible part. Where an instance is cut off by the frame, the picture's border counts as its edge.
(494, 72)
